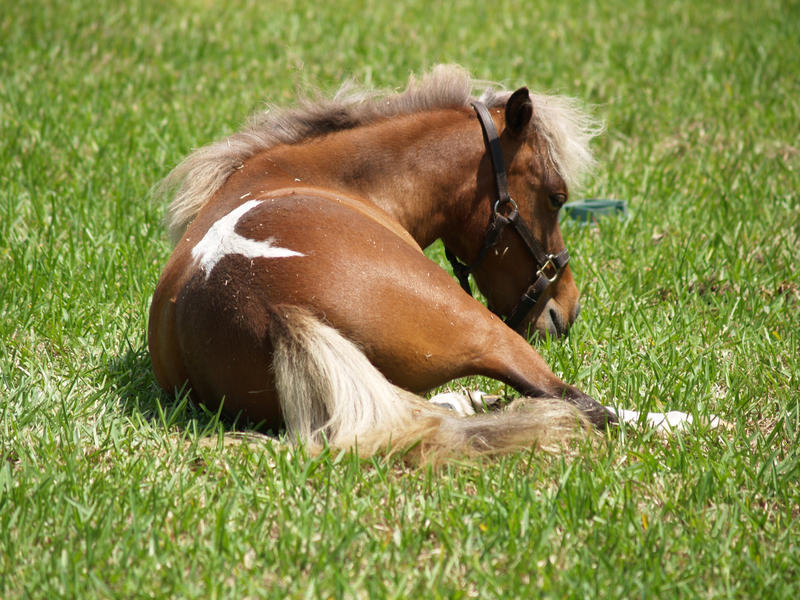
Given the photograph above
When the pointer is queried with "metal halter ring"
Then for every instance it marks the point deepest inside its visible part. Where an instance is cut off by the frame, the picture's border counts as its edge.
(551, 266)
(509, 200)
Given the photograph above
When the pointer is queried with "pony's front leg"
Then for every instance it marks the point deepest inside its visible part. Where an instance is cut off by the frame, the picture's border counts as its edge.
(439, 333)
(512, 360)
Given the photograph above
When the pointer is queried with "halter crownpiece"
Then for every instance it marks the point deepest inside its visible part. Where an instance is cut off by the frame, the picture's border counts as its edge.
(549, 266)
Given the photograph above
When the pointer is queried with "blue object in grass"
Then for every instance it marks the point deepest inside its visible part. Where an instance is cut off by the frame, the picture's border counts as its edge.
(591, 209)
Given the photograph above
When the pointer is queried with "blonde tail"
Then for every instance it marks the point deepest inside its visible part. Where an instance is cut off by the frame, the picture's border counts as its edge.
(328, 389)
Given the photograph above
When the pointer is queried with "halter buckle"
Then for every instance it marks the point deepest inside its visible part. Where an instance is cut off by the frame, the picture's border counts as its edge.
(500, 203)
(550, 267)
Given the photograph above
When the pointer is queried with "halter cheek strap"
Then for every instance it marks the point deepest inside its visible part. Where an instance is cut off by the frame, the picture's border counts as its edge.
(549, 266)
(492, 142)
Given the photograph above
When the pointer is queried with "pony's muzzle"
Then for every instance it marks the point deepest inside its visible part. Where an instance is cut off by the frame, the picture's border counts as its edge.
(555, 321)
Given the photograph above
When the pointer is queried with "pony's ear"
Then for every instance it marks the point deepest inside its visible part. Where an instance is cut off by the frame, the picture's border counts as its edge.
(519, 111)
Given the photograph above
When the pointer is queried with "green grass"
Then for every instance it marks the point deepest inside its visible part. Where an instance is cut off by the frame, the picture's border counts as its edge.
(110, 488)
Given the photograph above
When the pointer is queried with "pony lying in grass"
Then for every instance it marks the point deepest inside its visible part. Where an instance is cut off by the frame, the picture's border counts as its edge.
(298, 291)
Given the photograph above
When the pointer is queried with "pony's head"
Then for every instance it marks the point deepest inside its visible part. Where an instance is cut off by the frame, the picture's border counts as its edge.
(545, 149)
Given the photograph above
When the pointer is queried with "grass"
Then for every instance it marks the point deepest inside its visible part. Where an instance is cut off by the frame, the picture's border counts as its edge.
(110, 488)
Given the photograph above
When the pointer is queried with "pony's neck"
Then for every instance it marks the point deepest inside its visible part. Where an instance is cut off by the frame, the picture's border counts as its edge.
(421, 168)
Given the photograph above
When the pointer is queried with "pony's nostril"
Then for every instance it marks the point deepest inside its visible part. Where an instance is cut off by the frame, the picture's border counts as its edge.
(555, 319)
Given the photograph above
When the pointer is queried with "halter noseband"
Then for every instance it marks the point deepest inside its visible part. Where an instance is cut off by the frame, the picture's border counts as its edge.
(549, 266)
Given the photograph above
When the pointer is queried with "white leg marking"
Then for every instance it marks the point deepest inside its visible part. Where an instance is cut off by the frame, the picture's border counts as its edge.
(481, 400)
(458, 403)
(221, 240)
(669, 421)
(467, 403)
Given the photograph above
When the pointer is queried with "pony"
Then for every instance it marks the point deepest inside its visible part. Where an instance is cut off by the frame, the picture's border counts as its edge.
(298, 293)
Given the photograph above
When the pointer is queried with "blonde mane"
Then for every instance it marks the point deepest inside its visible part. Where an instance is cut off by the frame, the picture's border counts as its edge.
(566, 129)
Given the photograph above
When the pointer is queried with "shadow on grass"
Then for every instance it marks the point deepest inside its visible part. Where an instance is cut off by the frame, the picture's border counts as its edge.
(131, 380)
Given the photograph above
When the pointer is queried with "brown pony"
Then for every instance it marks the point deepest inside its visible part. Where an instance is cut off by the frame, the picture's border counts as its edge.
(298, 293)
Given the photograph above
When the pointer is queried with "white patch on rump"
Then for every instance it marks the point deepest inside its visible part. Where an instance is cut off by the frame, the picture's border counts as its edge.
(221, 240)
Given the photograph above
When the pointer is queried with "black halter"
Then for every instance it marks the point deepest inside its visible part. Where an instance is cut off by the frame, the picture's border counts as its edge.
(549, 266)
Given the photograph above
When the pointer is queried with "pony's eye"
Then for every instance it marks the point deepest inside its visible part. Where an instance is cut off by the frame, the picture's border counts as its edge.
(557, 200)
